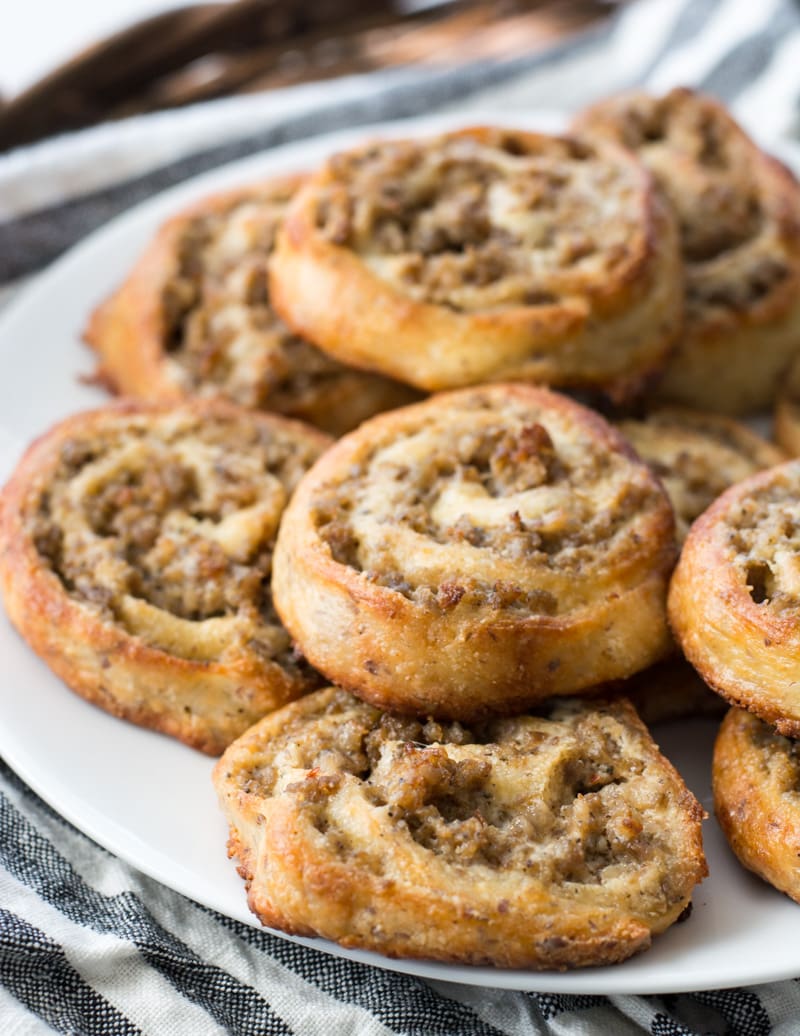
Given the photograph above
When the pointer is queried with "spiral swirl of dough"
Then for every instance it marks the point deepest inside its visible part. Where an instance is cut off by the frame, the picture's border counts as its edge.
(194, 318)
(734, 602)
(136, 558)
(476, 553)
(739, 216)
(697, 456)
(756, 778)
(481, 255)
(546, 841)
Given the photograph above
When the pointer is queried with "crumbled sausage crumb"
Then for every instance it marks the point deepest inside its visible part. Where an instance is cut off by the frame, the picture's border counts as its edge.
(144, 513)
(470, 224)
(512, 486)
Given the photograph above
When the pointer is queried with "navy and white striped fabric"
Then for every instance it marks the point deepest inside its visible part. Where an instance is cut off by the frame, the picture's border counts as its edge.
(88, 945)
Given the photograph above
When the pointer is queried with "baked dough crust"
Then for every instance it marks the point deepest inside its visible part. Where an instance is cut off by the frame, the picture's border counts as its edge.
(484, 255)
(194, 318)
(739, 214)
(477, 553)
(756, 783)
(551, 842)
(734, 600)
(135, 552)
(697, 456)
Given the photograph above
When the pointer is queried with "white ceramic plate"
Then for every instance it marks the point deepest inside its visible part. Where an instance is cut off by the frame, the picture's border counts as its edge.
(150, 801)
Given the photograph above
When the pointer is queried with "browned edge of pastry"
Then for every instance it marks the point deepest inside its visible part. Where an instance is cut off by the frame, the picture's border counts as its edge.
(457, 655)
(371, 836)
(720, 611)
(755, 779)
(204, 703)
(739, 211)
(130, 329)
(134, 330)
(614, 333)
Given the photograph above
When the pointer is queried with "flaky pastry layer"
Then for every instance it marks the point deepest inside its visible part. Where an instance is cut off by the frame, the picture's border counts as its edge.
(757, 798)
(135, 558)
(697, 456)
(734, 600)
(484, 254)
(194, 318)
(476, 553)
(546, 841)
(739, 216)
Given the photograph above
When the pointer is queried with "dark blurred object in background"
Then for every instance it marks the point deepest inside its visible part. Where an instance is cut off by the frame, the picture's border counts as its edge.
(216, 49)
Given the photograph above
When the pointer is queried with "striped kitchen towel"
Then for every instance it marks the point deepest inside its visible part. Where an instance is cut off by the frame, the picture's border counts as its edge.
(88, 945)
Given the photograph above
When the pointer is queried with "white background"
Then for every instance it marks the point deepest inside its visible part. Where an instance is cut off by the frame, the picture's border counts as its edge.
(38, 35)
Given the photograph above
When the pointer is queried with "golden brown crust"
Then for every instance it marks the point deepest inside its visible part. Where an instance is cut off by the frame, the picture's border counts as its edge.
(135, 553)
(697, 456)
(739, 216)
(194, 318)
(477, 553)
(734, 600)
(756, 784)
(553, 841)
(484, 255)
(787, 411)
